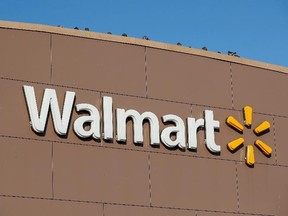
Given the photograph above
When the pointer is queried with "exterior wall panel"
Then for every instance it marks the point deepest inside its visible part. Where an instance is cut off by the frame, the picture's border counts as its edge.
(25, 55)
(260, 189)
(187, 182)
(281, 125)
(15, 206)
(187, 78)
(91, 64)
(114, 210)
(100, 175)
(25, 168)
(263, 89)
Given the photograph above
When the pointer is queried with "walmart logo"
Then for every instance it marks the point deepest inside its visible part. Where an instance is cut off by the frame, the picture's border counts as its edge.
(234, 145)
(108, 122)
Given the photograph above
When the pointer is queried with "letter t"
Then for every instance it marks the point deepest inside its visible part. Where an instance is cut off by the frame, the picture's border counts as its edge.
(210, 126)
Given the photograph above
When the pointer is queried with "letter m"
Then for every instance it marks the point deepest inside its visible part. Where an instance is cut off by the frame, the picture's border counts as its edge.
(38, 121)
(138, 119)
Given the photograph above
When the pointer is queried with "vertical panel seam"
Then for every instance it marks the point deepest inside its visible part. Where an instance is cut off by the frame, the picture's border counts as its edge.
(237, 188)
(146, 74)
(103, 209)
(275, 140)
(101, 122)
(149, 174)
(52, 169)
(231, 86)
(51, 66)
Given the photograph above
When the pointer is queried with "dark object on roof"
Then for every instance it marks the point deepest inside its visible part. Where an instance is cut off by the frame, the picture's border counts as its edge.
(145, 37)
(231, 53)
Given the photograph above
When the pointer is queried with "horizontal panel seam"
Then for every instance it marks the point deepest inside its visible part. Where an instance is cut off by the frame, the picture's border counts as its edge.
(108, 146)
(137, 96)
(131, 205)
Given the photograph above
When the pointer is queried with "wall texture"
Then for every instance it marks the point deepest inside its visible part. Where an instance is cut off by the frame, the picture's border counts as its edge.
(52, 175)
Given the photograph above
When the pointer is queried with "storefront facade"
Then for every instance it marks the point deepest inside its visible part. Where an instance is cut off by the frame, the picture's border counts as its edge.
(96, 124)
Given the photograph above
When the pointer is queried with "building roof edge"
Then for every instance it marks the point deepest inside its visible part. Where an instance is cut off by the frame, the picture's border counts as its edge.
(139, 42)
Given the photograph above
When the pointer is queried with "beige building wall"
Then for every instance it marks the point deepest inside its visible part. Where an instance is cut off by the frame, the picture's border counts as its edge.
(52, 175)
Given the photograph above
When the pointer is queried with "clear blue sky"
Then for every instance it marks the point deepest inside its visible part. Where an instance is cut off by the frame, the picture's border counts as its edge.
(255, 29)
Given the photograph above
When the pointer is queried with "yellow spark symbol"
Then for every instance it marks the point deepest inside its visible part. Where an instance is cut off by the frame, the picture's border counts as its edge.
(237, 143)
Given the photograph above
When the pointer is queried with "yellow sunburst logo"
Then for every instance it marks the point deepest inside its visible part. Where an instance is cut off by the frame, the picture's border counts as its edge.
(259, 130)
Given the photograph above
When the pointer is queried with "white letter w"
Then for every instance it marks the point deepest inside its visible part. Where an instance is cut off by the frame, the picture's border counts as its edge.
(49, 100)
